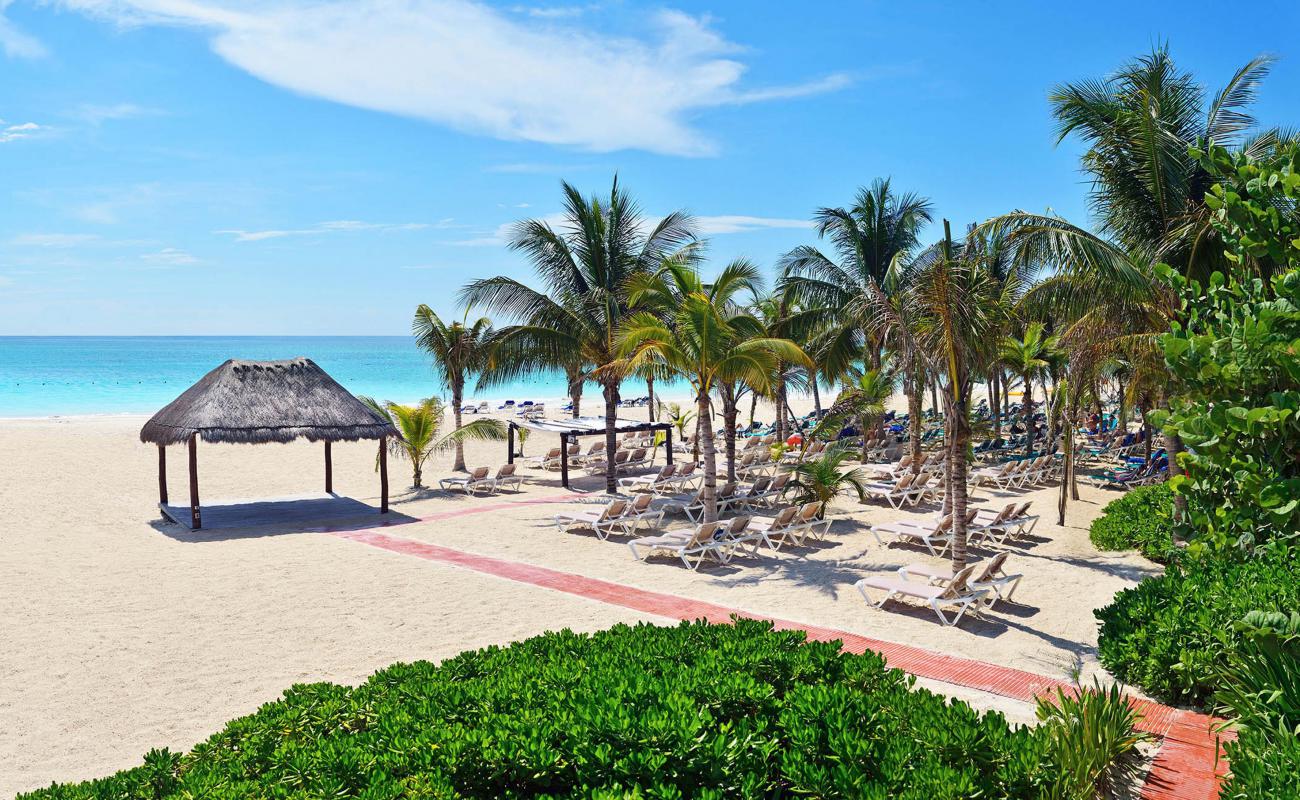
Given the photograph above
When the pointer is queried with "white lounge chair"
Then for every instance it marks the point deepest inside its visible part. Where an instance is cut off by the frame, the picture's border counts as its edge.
(470, 484)
(603, 522)
(686, 545)
(928, 534)
(650, 483)
(506, 477)
(956, 594)
(989, 575)
(640, 510)
(774, 531)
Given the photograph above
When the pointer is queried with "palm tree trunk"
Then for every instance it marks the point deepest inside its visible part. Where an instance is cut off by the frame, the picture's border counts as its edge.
(709, 493)
(729, 414)
(862, 425)
(753, 406)
(650, 392)
(960, 428)
(914, 421)
(457, 393)
(611, 440)
(817, 397)
(1027, 413)
(1176, 446)
(993, 404)
(575, 391)
(1122, 421)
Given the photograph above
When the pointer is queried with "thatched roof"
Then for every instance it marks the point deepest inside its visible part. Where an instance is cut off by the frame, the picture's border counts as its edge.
(252, 402)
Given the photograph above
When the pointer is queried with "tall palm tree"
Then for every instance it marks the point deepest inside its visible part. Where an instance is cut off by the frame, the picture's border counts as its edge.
(585, 267)
(871, 239)
(419, 425)
(459, 350)
(1027, 357)
(705, 340)
(940, 319)
(1140, 125)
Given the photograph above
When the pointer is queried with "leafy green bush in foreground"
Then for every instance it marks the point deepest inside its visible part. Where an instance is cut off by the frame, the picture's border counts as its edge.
(1173, 634)
(1140, 520)
(693, 711)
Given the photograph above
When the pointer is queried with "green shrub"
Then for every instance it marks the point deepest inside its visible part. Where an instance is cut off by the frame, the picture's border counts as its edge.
(1140, 520)
(1092, 742)
(1173, 635)
(708, 711)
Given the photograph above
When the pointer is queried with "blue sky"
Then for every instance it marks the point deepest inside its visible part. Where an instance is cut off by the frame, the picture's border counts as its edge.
(299, 167)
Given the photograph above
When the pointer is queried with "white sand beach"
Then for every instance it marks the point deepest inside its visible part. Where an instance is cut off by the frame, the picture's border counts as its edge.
(124, 633)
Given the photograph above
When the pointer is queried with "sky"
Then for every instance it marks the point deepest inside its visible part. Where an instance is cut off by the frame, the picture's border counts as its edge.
(298, 167)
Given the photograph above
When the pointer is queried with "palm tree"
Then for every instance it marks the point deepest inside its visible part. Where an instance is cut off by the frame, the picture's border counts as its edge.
(865, 400)
(939, 320)
(585, 267)
(1028, 358)
(419, 425)
(458, 350)
(705, 340)
(872, 239)
(824, 478)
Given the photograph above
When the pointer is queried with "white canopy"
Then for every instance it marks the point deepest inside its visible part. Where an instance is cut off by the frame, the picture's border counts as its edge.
(583, 426)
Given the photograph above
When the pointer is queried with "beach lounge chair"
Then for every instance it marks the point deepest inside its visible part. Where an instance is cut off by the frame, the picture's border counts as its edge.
(506, 477)
(603, 522)
(909, 490)
(928, 534)
(542, 462)
(989, 575)
(636, 459)
(989, 523)
(809, 521)
(639, 510)
(598, 467)
(956, 594)
(686, 477)
(649, 483)
(476, 480)
(686, 545)
(695, 508)
(774, 531)
(756, 493)
(507, 404)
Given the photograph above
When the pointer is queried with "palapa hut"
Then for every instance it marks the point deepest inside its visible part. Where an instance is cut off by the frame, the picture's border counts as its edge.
(256, 402)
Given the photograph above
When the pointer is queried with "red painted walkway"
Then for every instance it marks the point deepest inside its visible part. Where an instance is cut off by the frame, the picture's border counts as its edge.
(1185, 768)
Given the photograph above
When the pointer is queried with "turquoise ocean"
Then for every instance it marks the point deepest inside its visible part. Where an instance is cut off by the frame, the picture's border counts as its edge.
(68, 375)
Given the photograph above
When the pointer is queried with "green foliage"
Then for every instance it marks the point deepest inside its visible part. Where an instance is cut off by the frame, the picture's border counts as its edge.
(1139, 520)
(1235, 353)
(1175, 634)
(1092, 742)
(823, 478)
(1260, 691)
(694, 711)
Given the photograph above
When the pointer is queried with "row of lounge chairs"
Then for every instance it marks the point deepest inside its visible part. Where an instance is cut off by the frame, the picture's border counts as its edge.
(981, 525)
(478, 480)
(1018, 474)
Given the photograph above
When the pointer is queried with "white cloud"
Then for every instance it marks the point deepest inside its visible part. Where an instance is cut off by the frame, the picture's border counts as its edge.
(169, 257)
(14, 42)
(336, 226)
(53, 239)
(739, 223)
(477, 69)
(10, 133)
(98, 114)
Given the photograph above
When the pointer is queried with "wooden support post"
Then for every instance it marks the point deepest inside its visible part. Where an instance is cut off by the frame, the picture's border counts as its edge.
(564, 460)
(668, 443)
(196, 520)
(510, 443)
(329, 470)
(162, 475)
(383, 474)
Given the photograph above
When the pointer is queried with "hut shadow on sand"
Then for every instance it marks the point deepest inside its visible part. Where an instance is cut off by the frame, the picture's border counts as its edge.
(264, 402)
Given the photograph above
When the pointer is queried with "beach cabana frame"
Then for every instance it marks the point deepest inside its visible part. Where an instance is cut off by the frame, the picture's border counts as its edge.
(571, 430)
(262, 402)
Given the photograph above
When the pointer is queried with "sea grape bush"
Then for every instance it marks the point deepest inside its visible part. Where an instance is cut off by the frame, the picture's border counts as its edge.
(1138, 520)
(1173, 634)
(706, 711)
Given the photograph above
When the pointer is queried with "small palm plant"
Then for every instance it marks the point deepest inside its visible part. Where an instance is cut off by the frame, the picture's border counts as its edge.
(824, 478)
(1092, 742)
(1028, 358)
(419, 425)
(677, 416)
